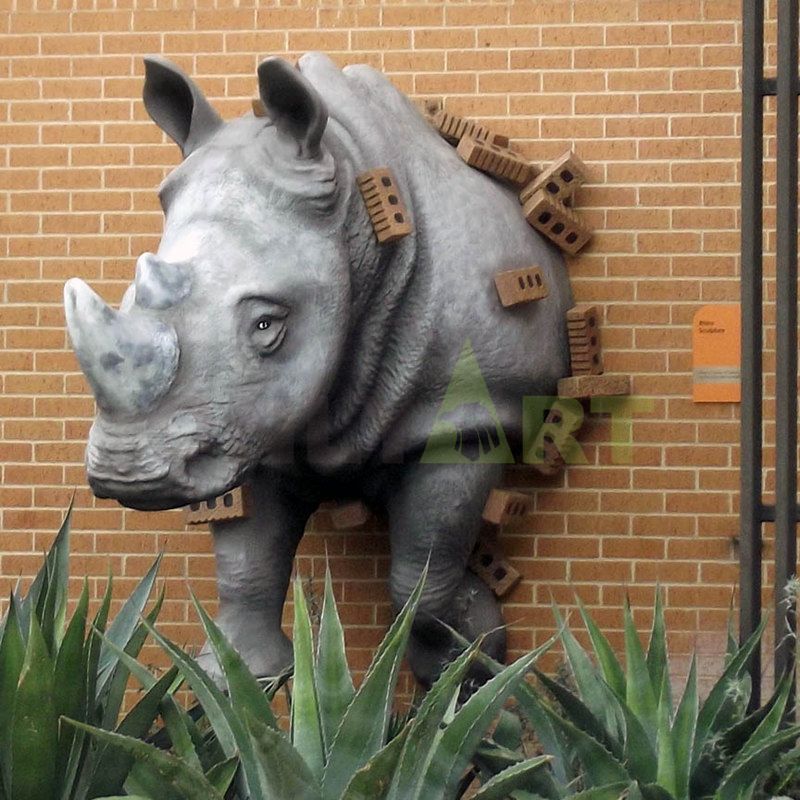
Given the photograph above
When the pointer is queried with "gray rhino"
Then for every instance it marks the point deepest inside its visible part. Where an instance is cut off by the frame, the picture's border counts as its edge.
(272, 339)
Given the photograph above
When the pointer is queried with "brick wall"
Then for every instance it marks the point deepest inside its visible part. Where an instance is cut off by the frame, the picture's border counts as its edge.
(646, 92)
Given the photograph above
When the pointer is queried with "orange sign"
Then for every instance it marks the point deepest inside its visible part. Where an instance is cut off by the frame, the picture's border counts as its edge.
(717, 351)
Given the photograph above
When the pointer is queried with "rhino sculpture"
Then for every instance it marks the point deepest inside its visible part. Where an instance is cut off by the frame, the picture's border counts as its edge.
(272, 339)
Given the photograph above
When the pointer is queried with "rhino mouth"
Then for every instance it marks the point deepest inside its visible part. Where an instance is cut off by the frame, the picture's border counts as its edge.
(140, 496)
(157, 495)
(141, 476)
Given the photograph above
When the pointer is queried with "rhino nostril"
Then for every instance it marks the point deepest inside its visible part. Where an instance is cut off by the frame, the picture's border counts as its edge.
(209, 472)
(198, 463)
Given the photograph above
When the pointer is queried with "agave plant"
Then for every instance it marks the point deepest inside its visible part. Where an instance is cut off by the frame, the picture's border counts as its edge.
(782, 781)
(338, 746)
(51, 667)
(617, 734)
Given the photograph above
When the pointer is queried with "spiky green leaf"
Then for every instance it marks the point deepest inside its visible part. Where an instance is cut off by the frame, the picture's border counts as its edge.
(599, 765)
(719, 693)
(221, 775)
(768, 725)
(746, 770)
(140, 781)
(666, 776)
(373, 780)
(216, 706)
(532, 707)
(593, 691)
(657, 658)
(34, 728)
(112, 694)
(718, 755)
(604, 653)
(48, 592)
(91, 655)
(508, 730)
(461, 736)
(125, 624)
(651, 791)
(12, 657)
(580, 716)
(70, 698)
(306, 724)
(363, 729)
(244, 689)
(283, 773)
(54, 592)
(511, 779)
(112, 767)
(640, 756)
(180, 735)
(613, 791)
(159, 773)
(141, 673)
(335, 689)
(229, 728)
(683, 733)
(639, 691)
(491, 758)
(425, 726)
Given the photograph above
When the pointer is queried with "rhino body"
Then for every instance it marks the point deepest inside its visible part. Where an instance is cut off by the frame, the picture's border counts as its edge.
(272, 339)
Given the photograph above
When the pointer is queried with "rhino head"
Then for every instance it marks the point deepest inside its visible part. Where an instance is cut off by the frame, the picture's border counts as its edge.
(233, 329)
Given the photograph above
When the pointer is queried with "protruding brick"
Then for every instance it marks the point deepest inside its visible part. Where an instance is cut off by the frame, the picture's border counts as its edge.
(549, 451)
(504, 505)
(489, 564)
(585, 350)
(560, 180)
(582, 386)
(386, 209)
(557, 222)
(500, 162)
(454, 128)
(515, 286)
(235, 504)
(259, 109)
(349, 515)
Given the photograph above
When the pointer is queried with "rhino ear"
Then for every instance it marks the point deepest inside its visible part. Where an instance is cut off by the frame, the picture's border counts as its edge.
(293, 104)
(177, 105)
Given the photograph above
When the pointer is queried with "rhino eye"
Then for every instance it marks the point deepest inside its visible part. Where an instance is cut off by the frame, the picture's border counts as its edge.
(268, 334)
(263, 324)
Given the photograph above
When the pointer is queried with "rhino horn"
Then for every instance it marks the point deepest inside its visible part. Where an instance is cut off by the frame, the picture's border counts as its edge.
(160, 285)
(129, 360)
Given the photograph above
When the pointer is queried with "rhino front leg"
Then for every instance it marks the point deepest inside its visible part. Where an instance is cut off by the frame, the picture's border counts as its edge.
(435, 509)
(254, 559)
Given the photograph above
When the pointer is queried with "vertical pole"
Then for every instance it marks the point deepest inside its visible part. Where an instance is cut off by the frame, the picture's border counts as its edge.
(786, 334)
(752, 338)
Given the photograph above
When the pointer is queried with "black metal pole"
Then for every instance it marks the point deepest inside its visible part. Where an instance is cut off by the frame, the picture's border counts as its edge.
(752, 337)
(786, 336)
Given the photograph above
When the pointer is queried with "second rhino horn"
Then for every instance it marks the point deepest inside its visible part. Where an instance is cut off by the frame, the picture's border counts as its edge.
(160, 285)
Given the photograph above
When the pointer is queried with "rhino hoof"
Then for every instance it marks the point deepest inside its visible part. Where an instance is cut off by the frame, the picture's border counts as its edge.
(263, 660)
